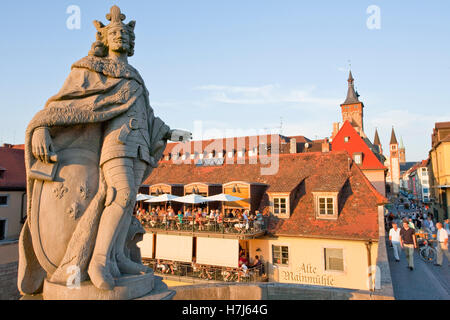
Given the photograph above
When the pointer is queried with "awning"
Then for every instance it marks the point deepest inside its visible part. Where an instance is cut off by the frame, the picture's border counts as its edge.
(192, 198)
(218, 252)
(176, 248)
(141, 196)
(162, 198)
(224, 197)
(146, 246)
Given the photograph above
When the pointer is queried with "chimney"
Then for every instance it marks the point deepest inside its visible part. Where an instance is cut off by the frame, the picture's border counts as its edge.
(335, 129)
(325, 146)
(293, 145)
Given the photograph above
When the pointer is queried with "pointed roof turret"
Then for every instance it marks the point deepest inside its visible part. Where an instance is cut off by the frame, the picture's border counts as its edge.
(402, 146)
(393, 138)
(376, 140)
(352, 96)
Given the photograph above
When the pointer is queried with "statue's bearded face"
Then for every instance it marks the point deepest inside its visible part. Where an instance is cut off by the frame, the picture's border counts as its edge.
(118, 39)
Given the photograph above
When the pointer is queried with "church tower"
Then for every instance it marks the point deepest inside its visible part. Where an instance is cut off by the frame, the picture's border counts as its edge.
(352, 108)
(401, 151)
(394, 165)
(376, 142)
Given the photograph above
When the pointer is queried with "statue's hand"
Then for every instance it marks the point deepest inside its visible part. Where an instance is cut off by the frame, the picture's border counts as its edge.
(180, 135)
(42, 146)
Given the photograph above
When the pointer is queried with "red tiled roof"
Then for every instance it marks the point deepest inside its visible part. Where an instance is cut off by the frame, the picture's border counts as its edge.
(355, 144)
(442, 125)
(12, 160)
(300, 139)
(358, 215)
(329, 171)
(227, 144)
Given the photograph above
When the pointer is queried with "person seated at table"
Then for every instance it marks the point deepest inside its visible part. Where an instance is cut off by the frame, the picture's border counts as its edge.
(180, 219)
(195, 266)
(257, 265)
(227, 274)
(187, 213)
(242, 258)
(216, 214)
(161, 266)
(172, 268)
(199, 220)
(211, 215)
(258, 220)
(230, 214)
(242, 224)
(243, 271)
(205, 273)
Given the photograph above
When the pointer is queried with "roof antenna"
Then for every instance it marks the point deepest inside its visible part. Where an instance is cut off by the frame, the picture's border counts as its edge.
(281, 126)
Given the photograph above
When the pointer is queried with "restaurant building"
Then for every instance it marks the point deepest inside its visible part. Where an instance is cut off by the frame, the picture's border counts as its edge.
(320, 213)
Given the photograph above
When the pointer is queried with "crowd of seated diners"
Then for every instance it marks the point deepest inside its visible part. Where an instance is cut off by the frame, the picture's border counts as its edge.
(198, 219)
(246, 272)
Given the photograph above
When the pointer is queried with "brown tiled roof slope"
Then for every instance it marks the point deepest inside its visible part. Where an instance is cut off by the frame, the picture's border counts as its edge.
(357, 202)
(227, 144)
(302, 173)
(12, 160)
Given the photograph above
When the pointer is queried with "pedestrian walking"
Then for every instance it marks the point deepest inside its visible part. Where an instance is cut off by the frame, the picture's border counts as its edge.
(394, 238)
(408, 243)
(442, 245)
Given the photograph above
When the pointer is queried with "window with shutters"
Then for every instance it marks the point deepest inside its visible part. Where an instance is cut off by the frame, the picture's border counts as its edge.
(280, 255)
(334, 259)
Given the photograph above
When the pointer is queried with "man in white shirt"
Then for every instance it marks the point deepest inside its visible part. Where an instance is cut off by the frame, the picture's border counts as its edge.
(442, 246)
(394, 238)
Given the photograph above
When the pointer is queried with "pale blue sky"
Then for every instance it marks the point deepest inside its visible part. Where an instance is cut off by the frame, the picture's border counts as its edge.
(244, 64)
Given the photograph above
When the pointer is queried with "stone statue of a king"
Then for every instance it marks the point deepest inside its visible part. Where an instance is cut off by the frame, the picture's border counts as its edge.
(86, 154)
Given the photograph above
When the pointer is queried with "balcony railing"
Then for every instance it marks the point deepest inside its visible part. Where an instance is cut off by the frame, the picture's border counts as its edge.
(191, 271)
(206, 225)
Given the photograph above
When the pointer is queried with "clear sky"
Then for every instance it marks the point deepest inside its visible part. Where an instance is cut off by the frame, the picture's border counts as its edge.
(243, 65)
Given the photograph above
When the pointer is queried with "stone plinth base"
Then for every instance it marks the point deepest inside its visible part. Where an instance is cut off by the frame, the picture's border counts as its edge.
(127, 287)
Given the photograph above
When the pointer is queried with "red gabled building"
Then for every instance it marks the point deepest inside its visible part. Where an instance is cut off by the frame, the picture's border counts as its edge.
(12, 191)
(358, 148)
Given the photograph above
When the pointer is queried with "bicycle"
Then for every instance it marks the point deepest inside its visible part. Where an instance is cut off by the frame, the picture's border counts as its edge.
(426, 250)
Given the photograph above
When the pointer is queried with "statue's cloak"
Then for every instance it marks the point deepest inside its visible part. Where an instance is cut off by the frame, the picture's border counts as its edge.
(97, 90)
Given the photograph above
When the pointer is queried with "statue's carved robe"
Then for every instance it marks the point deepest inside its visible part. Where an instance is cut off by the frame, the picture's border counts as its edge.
(97, 91)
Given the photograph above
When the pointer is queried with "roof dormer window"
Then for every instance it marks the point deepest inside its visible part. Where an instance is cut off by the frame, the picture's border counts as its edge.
(326, 205)
(358, 157)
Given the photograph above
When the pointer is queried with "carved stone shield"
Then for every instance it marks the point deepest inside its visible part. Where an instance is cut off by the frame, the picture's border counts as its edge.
(59, 204)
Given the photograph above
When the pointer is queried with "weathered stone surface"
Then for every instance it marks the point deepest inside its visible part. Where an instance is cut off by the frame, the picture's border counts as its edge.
(86, 154)
(126, 288)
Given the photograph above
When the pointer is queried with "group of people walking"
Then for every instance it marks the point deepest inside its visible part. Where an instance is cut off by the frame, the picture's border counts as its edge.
(402, 235)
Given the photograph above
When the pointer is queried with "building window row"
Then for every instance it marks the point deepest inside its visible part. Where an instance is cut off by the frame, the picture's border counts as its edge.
(333, 257)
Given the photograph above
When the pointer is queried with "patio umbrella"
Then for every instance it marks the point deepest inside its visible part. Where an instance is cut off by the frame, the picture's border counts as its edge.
(223, 197)
(141, 197)
(162, 198)
(192, 199)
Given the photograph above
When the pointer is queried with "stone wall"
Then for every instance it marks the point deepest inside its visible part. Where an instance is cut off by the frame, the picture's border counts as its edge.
(8, 281)
(270, 291)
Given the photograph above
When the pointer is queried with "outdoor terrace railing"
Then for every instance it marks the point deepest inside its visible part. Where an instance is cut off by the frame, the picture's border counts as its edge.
(192, 271)
(207, 225)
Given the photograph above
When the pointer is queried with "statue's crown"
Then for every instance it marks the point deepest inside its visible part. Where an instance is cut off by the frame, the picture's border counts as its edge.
(116, 17)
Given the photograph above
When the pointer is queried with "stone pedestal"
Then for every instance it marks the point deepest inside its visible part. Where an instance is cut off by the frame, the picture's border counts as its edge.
(127, 287)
